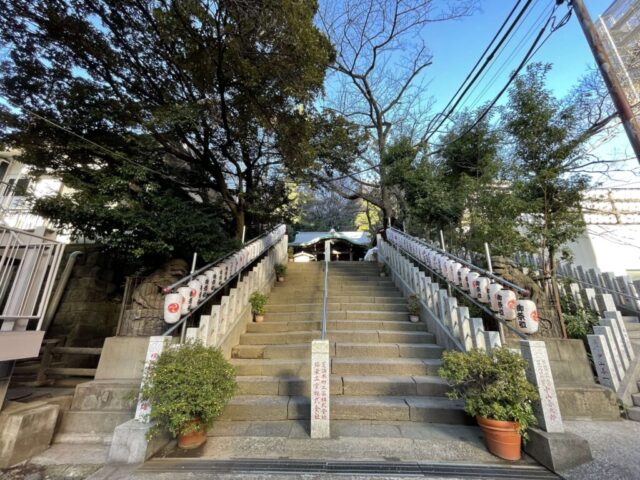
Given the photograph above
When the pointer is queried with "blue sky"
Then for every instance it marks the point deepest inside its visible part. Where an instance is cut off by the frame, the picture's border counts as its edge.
(456, 45)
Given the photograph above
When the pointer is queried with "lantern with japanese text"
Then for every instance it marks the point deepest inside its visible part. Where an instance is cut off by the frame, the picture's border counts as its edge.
(482, 289)
(462, 278)
(185, 303)
(507, 304)
(204, 281)
(210, 274)
(196, 290)
(527, 316)
(454, 276)
(494, 289)
(471, 281)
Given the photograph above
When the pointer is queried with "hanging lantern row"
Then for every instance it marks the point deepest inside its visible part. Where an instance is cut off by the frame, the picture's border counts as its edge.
(501, 300)
(189, 296)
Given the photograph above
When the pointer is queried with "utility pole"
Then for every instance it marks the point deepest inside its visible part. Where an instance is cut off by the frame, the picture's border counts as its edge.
(629, 120)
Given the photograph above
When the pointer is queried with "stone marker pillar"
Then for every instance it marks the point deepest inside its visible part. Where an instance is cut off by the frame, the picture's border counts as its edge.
(320, 382)
(539, 373)
(605, 368)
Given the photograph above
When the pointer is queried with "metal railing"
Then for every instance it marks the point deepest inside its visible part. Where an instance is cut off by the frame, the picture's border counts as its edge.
(28, 267)
(486, 273)
(222, 272)
(325, 293)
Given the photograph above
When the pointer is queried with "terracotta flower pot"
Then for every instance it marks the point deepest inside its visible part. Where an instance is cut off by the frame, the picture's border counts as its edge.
(503, 438)
(192, 438)
(414, 318)
(259, 318)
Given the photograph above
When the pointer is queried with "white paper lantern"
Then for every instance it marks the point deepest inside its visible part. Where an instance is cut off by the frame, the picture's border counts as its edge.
(527, 316)
(185, 304)
(204, 281)
(494, 289)
(462, 278)
(454, 276)
(507, 304)
(172, 307)
(471, 282)
(482, 289)
(211, 277)
(196, 291)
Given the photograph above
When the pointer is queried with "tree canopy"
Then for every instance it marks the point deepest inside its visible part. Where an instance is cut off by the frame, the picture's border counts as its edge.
(179, 120)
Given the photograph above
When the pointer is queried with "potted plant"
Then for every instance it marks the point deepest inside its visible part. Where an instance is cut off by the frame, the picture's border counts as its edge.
(496, 391)
(187, 388)
(385, 270)
(258, 301)
(281, 271)
(413, 305)
(290, 254)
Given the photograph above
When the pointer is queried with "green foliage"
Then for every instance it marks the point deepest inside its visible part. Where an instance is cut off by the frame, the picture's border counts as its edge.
(186, 382)
(203, 109)
(413, 305)
(385, 269)
(492, 385)
(579, 321)
(280, 269)
(290, 253)
(258, 301)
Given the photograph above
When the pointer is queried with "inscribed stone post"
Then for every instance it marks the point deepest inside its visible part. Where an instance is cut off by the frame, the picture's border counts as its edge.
(574, 288)
(320, 385)
(492, 340)
(442, 308)
(214, 316)
(615, 355)
(464, 318)
(539, 373)
(605, 303)
(616, 317)
(477, 332)
(156, 345)
(204, 329)
(452, 313)
(618, 340)
(603, 362)
(224, 315)
(590, 294)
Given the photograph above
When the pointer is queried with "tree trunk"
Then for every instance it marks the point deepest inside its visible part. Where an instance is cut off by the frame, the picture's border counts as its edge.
(555, 291)
(240, 223)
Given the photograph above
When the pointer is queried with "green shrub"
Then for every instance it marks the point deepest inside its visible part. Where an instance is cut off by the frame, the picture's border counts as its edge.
(258, 301)
(581, 323)
(413, 305)
(186, 382)
(492, 385)
(281, 270)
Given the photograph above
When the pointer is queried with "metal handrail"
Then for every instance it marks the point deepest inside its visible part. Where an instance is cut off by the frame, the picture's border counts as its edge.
(463, 293)
(484, 272)
(184, 280)
(600, 287)
(324, 300)
(183, 320)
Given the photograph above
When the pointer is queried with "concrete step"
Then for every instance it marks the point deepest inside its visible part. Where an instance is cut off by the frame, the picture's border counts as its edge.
(306, 325)
(385, 408)
(339, 315)
(105, 395)
(334, 307)
(348, 336)
(365, 385)
(634, 414)
(635, 397)
(282, 297)
(339, 366)
(343, 290)
(94, 423)
(303, 350)
(385, 366)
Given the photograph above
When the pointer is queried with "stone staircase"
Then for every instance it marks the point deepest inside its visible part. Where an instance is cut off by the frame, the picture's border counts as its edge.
(383, 367)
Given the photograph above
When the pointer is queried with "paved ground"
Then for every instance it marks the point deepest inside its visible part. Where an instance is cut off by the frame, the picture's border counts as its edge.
(615, 447)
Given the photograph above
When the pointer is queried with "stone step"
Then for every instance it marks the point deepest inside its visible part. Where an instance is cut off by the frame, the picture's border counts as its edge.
(303, 350)
(339, 315)
(376, 291)
(339, 366)
(94, 423)
(334, 297)
(349, 336)
(384, 408)
(306, 325)
(635, 397)
(334, 307)
(634, 414)
(416, 385)
(105, 395)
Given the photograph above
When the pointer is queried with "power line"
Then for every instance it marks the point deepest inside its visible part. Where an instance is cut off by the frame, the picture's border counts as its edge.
(506, 35)
(535, 47)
